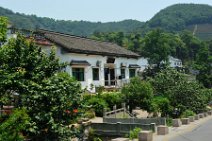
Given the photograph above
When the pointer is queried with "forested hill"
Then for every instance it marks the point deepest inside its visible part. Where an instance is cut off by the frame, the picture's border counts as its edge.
(194, 17)
(82, 28)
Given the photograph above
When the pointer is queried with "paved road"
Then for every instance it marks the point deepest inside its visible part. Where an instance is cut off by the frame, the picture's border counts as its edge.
(202, 132)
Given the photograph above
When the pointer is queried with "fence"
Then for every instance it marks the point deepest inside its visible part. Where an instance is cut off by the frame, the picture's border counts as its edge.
(157, 121)
(119, 129)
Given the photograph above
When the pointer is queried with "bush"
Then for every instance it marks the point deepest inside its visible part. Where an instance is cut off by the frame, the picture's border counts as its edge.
(11, 128)
(134, 133)
(114, 98)
(98, 104)
(187, 113)
(138, 93)
(89, 114)
(161, 105)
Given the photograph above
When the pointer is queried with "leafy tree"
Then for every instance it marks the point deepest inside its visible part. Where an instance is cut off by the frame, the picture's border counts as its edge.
(138, 93)
(181, 93)
(203, 65)
(156, 47)
(161, 105)
(187, 95)
(3, 29)
(52, 98)
(192, 45)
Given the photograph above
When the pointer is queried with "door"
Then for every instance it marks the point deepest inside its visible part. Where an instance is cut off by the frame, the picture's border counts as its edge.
(109, 76)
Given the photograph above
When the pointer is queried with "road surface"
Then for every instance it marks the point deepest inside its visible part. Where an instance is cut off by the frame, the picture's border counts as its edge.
(202, 132)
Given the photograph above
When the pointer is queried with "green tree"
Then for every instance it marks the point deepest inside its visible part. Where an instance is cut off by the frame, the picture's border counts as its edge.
(204, 65)
(138, 93)
(3, 29)
(52, 98)
(156, 47)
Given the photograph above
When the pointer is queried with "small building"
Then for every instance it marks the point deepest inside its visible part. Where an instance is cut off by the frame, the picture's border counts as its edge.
(175, 62)
(93, 63)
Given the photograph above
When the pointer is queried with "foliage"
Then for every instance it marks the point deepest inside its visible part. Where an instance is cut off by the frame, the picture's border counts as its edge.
(169, 121)
(134, 133)
(187, 113)
(166, 80)
(13, 127)
(3, 29)
(89, 114)
(187, 95)
(181, 93)
(112, 99)
(129, 41)
(203, 65)
(82, 28)
(52, 98)
(177, 17)
(156, 47)
(138, 93)
(98, 104)
(162, 105)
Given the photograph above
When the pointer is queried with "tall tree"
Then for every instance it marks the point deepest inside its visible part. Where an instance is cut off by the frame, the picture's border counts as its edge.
(156, 47)
(204, 65)
(52, 98)
(3, 29)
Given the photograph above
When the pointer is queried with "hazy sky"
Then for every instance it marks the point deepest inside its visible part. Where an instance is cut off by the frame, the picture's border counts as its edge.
(93, 10)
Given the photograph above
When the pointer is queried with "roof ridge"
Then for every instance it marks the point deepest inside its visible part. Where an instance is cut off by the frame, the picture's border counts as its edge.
(75, 36)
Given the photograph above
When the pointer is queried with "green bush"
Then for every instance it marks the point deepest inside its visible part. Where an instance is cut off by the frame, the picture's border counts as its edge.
(134, 133)
(169, 121)
(187, 113)
(89, 114)
(98, 104)
(138, 93)
(113, 98)
(11, 128)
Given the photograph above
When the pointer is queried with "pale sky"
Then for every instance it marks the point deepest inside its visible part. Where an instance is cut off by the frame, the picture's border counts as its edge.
(93, 10)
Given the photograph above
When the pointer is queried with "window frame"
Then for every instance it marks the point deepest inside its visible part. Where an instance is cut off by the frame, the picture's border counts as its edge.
(93, 74)
(78, 73)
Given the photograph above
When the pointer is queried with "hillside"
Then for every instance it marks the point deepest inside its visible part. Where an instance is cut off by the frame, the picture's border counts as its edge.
(178, 17)
(82, 28)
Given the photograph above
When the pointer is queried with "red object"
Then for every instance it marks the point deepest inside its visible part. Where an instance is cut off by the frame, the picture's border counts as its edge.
(75, 111)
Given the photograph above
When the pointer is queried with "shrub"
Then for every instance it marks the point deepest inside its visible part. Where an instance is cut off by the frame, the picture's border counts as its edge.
(114, 98)
(187, 113)
(89, 114)
(98, 104)
(11, 128)
(134, 133)
(138, 93)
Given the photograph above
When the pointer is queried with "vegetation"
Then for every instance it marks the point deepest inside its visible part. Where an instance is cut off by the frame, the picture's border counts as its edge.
(3, 29)
(138, 93)
(177, 17)
(134, 133)
(187, 113)
(81, 28)
(12, 127)
(51, 97)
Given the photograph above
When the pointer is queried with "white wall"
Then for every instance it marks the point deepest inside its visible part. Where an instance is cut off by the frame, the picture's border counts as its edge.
(92, 59)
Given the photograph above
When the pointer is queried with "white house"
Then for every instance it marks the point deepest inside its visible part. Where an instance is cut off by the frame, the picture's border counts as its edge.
(91, 62)
(175, 62)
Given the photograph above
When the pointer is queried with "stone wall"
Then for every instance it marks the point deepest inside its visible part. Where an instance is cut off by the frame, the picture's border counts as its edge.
(157, 121)
(119, 129)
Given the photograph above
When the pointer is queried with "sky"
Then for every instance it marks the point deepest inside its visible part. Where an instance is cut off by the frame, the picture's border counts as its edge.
(93, 10)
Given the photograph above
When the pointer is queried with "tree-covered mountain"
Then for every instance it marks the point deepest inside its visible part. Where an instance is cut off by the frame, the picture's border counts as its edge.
(194, 17)
(82, 28)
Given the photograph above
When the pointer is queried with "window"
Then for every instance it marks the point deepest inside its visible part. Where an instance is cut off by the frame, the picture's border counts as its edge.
(122, 73)
(95, 73)
(78, 74)
(132, 72)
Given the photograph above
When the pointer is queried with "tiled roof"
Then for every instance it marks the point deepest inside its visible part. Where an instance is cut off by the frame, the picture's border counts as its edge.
(83, 45)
